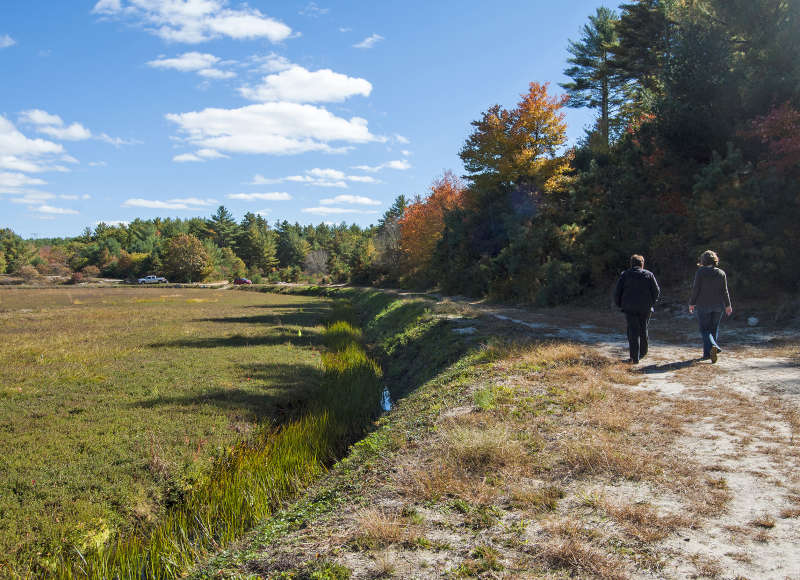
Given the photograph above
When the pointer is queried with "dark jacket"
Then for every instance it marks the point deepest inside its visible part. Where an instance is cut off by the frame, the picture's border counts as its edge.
(710, 289)
(636, 291)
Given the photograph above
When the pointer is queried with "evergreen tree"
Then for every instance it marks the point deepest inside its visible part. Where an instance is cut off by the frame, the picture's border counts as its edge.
(223, 228)
(256, 243)
(594, 84)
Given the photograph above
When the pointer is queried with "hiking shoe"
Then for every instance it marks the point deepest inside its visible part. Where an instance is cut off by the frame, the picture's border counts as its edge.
(714, 351)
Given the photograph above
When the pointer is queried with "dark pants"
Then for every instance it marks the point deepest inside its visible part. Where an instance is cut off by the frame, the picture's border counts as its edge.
(637, 333)
(708, 320)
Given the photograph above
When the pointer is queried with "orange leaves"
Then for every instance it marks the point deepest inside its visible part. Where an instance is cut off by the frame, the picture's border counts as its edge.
(507, 144)
(423, 221)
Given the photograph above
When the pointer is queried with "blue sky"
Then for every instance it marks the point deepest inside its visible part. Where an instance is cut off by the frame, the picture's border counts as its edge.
(306, 111)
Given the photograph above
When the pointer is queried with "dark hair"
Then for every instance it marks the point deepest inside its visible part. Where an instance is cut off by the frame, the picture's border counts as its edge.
(637, 261)
(709, 258)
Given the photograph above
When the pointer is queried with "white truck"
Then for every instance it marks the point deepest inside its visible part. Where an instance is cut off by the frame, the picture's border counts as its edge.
(152, 280)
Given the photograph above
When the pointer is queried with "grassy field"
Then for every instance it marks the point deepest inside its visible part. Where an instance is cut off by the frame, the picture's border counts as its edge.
(113, 402)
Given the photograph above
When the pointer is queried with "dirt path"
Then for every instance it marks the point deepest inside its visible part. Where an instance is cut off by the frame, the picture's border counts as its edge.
(741, 422)
(554, 461)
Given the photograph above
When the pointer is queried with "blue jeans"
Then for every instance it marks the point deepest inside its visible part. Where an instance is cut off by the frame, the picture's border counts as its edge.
(708, 320)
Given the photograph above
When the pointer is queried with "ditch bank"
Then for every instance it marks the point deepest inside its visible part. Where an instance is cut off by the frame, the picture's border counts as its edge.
(419, 347)
(257, 477)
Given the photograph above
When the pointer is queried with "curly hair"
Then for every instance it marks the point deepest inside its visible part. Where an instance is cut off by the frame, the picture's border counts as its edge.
(709, 258)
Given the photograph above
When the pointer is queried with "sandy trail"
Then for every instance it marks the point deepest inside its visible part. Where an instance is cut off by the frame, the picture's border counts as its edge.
(742, 424)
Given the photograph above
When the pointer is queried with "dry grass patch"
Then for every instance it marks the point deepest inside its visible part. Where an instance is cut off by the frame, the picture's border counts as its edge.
(764, 520)
(538, 498)
(479, 449)
(581, 558)
(610, 454)
(762, 536)
(442, 481)
(706, 567)
(376, 528)
(642, 522)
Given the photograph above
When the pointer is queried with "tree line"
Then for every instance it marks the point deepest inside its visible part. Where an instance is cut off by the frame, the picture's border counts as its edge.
(194, 250)
(695, 144)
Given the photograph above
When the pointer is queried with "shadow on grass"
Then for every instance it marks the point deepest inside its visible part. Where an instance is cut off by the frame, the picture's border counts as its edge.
(277, 337)
(307, 317)
(269, 391)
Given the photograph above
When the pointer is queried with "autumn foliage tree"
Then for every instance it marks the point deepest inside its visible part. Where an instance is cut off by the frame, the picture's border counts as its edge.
(508, 230)
(186, 260)
(423, 222)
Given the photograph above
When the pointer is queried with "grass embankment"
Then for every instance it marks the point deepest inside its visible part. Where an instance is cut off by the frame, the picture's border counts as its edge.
(524, 458)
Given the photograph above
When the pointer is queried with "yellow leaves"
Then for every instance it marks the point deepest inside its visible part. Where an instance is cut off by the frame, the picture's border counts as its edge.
(512, 143)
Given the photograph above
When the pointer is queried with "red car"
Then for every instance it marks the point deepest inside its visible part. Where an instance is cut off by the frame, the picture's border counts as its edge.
(239, 281)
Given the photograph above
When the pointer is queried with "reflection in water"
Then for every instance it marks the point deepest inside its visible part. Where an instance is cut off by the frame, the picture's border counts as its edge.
(386, 400)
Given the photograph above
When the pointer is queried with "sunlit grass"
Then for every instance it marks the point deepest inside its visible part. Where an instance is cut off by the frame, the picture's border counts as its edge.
(114, 403)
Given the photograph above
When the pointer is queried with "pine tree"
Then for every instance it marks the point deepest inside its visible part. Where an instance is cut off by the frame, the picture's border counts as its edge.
(594, 84)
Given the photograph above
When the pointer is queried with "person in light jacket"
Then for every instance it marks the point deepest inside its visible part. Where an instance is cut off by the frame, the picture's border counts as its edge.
(635, 294)
(710, 298)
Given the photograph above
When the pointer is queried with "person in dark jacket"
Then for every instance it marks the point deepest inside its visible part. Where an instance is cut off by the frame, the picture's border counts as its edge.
(709, 299)
(635, 294)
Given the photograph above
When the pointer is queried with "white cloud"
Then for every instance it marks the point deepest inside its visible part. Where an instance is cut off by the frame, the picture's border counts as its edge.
(406, 152)
(401, 139)
(213, 73)
(313, 10)
(263, 212)
(337, 210)
(175, 203)
(354, 199)
(299, 85)
(399, 164)
(187, 62)
(194, 21)
(117, 141)
(270, 63)
(210, 154)
(201, 155)
(39, 117)
(272, 196)
(369, 41)
(201, 63)
(187, 157)
(318, 177)
(345, 29)
(12, 142)
(49, 209)
(53, 125)
(14, 163)
(6, 41)
(270, 129)
(74, 132)
(33, 197)
(107, 7)
(98, 164)
(16, 180)
(75, 197)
